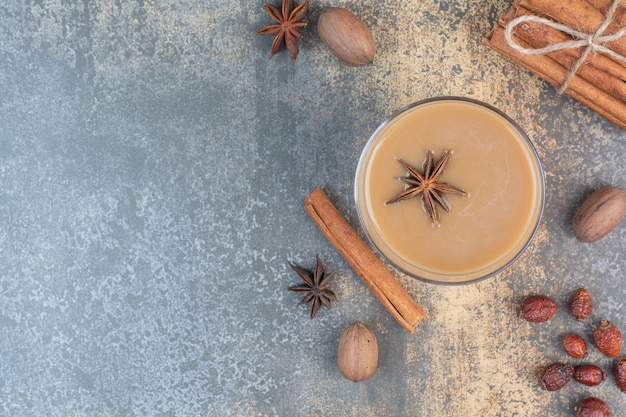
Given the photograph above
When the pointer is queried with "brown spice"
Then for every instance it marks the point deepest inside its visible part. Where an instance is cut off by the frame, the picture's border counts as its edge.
(578, 14)
(357, 356)
(600, 213)
(581, 304)
(538, 308)
(588, 93)
(364, 262)
(346, 36)
(574, 345)
(287, 29)
(426, 184)
(600, 70)
(592, 407)
(619, 373)
(608, 339)
(555, 376)
(590, 375)
(314, 287)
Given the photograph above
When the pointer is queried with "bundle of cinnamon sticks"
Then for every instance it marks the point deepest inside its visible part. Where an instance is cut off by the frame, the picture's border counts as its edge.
(600, 82)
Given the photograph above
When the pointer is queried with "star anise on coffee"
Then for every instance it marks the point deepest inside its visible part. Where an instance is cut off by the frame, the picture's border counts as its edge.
(314, 287)
(287, 30)
(426, 184)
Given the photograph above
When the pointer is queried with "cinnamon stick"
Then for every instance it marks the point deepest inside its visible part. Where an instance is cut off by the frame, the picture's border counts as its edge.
(599, 70)
(545, 67)
(364, 262)
(603, 5)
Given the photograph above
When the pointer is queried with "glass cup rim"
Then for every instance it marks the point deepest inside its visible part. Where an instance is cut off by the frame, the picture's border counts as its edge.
(536, 165)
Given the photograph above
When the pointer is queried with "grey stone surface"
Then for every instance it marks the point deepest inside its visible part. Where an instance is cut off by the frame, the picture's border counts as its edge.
(153, 164)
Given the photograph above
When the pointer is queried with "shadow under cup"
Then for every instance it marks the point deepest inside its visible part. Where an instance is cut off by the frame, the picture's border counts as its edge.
(493, 161)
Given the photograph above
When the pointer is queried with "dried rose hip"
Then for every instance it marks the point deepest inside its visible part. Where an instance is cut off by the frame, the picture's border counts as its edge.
(538, 308)
(556, 376)
(590, 375)
(592, 407)
(608, 339)
(574, 345)
(620, 374)
(581, 304)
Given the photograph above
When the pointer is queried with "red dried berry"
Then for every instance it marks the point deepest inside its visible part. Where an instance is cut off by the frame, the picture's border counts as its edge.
(592, 407)
(556, 376)
(590, 375)
(574, 345)
(581, 304)
(620, 374)
(608, 339)
(538, 308)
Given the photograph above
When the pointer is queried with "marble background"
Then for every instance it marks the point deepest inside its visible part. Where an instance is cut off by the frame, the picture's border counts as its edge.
(153, 164)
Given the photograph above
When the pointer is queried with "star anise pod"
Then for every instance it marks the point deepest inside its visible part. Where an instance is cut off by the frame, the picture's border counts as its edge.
(314, 286)
(426, 184)
(287, 30)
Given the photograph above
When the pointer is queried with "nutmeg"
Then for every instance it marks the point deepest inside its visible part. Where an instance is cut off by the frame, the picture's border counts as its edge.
(592, 407)
(574, 345)
(581, 304)
(599, 214)
(538, 308)
(555, 376)
(619, 373)
(346, 36)
(590, 375)
(357, 358)
(608, 339)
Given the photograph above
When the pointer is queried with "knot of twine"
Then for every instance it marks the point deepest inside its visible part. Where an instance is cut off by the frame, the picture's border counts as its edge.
(592, 42)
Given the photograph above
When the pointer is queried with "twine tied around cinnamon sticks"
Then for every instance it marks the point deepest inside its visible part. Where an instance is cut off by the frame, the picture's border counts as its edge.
(592, 42)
